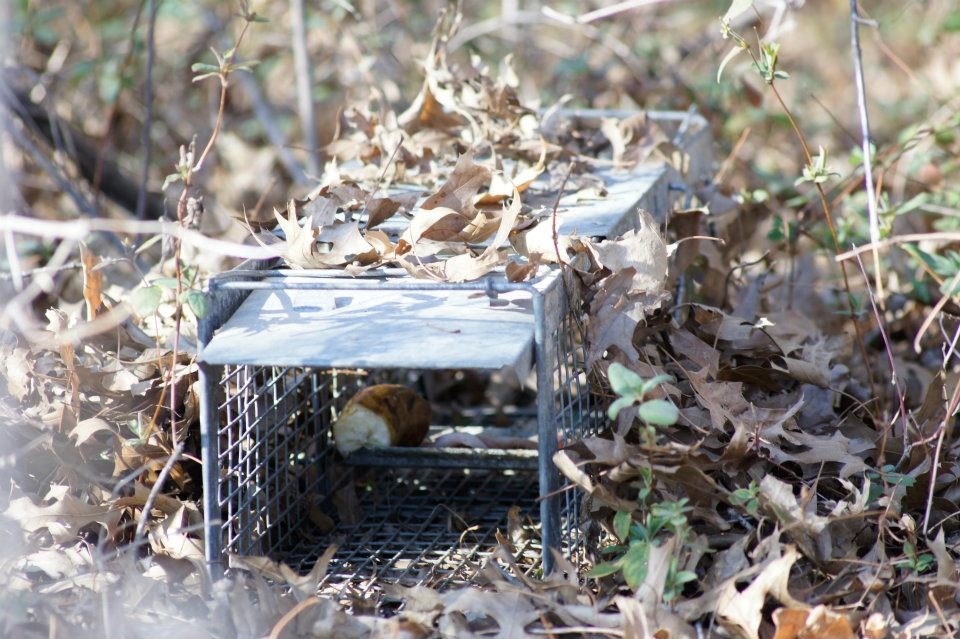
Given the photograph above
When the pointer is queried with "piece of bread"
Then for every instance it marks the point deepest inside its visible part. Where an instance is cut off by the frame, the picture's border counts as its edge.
(382, 415)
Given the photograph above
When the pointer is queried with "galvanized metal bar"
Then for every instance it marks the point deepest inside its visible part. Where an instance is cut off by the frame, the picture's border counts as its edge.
(546, 437)
(478, 458)
(496, 285)
(209, 378)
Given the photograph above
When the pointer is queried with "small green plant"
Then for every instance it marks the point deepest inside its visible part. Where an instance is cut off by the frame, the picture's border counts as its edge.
(816, 171)
(146, 299)
(631, 389)
(747, 498)
(638, 537)
(916, 561)
(887, 476)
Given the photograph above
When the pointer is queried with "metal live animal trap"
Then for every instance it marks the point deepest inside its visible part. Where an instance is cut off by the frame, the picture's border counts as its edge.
(282, 351)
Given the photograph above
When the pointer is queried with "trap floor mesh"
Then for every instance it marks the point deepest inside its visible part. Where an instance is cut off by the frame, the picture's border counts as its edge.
(430, 527)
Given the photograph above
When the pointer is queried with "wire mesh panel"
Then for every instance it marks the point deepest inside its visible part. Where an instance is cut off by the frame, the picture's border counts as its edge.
(270, 447)
(580, 413)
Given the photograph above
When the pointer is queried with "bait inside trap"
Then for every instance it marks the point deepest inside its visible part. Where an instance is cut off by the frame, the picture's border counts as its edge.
(283, 351)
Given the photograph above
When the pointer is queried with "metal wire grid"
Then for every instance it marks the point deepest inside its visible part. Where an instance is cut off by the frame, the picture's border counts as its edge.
(275, 452)
(579, 414)
(272, 438)
(432, 527)
(418, 527)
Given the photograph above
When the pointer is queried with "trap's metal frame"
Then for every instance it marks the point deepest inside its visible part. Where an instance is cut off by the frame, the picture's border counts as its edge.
(271, 387)
(265, 477)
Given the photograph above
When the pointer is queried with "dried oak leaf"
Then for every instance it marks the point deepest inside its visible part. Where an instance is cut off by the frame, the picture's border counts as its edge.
(741, 611)
(460, 189)
(440, 224)
(466, 266)
(300, 242)
(818, 623)
(643, 250)
(380, 209)
(616, 310)
(502, 187)
(467, 610)
(63, 518)
(801, 522)
(426, 112)
(345, 242)
(92, 282)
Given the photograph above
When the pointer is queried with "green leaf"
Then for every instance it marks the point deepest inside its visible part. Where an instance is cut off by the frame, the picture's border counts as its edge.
(652, 383)
(621, 524)
(618, 405)
(635, 564)
(203, 67)
(145, 300)
(247, 66)
(659, 412)
(197, 301)
(173, 178)
(603, 570)
(165, 282)
(622, 379)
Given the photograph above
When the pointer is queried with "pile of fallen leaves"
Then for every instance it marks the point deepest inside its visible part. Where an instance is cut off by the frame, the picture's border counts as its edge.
(462, 171)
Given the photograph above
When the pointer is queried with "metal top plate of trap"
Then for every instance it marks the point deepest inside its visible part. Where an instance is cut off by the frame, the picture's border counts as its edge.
(428, 328)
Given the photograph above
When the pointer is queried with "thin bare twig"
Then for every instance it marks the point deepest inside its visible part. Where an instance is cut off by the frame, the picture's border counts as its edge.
(148, 105)
(494, 26)
(304, 77)
(859, 82)
(888, 347)
(605, 12)
(553, 217)
(78, 230)
(23, 141)
(110, 118)
(907, 238)
(263, 109)
(155, 491)
(828, 217)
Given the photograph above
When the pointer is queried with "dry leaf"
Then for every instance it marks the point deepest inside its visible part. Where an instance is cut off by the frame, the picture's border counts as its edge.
(642, 250)
(63, 518)
(440, 224)
(346, 244)
(740, 611)
(818, 623)
(522, 271)
(460, 189)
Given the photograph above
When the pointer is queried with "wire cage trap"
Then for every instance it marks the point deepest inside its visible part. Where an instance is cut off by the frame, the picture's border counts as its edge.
(282, 352)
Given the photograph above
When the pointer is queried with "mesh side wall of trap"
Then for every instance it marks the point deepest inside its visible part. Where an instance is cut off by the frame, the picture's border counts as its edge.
(272, 436)
(580, 413)
(274, 452)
